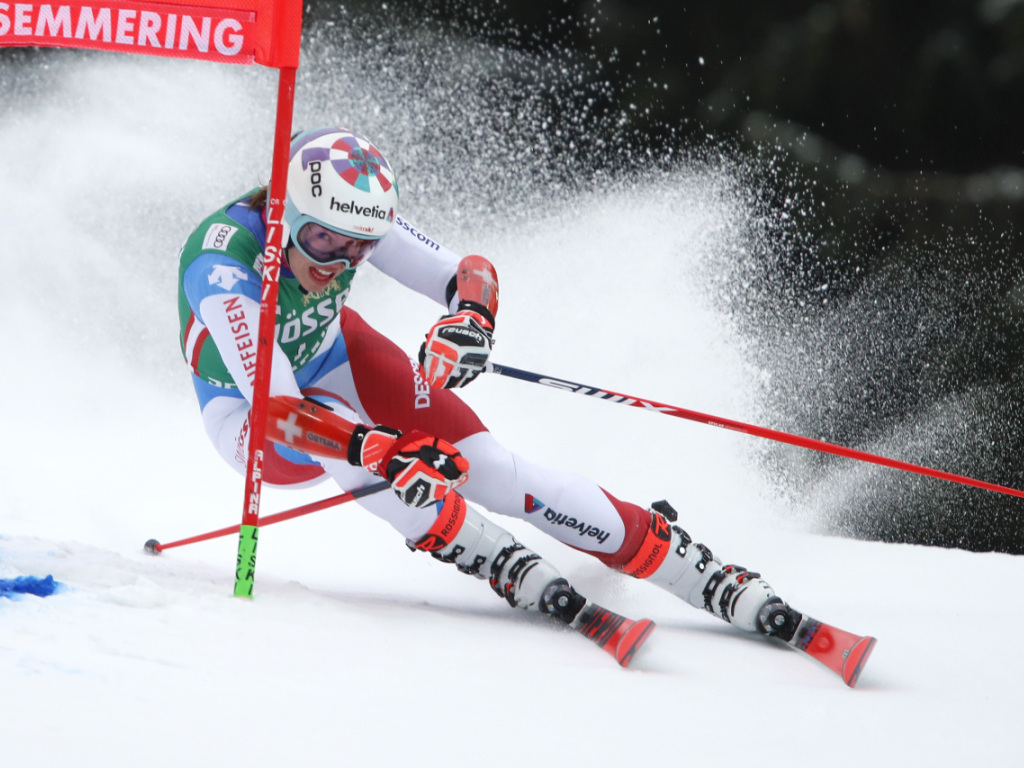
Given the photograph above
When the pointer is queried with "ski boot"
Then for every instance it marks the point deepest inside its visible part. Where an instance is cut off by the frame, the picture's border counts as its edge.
(670, 559)
(482, 549)
(485, 550)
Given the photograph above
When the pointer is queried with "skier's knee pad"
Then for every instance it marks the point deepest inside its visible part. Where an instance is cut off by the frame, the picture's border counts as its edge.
(481, 548)
(669, 558)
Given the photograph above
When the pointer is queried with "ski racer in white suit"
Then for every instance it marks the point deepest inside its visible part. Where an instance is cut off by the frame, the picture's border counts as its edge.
(348, 403)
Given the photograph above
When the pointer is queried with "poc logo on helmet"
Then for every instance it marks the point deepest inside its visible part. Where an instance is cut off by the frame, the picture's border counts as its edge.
(314, 179)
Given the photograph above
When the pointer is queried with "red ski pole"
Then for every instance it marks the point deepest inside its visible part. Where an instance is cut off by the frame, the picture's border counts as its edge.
(153, 546)
(739, 426)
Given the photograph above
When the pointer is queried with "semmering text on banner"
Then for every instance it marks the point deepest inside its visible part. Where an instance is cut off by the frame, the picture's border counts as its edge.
(233, 31)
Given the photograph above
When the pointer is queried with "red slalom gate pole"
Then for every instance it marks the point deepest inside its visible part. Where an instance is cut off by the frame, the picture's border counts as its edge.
(153, 546)
(739, 426)
(245, 569)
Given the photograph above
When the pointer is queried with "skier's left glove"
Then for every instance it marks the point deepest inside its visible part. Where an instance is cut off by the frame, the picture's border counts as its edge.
(420, 468)
(456, 349)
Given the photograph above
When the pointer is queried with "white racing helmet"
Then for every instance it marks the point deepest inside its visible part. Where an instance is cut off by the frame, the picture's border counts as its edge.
(340, 181)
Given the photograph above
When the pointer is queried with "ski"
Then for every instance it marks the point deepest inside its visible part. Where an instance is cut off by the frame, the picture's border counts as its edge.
(619, 636)
(843, 652)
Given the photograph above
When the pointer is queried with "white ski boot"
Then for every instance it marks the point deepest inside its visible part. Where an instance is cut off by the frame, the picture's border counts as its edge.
(669, 558)
(485, 550)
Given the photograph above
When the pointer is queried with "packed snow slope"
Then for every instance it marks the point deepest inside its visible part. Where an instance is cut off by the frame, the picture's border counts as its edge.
(355, 651)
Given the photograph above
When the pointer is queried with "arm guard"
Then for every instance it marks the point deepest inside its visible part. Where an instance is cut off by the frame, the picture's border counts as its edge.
(309, 427)
(475, 285)
(315, 429)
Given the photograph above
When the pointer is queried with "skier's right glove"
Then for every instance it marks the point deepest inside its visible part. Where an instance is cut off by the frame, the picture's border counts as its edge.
(420, 468)
(456, 349)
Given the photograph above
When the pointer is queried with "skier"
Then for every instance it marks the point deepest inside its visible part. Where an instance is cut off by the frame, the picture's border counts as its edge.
(347, 402)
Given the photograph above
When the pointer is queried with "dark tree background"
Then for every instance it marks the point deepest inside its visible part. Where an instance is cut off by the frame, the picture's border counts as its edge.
(908, 87)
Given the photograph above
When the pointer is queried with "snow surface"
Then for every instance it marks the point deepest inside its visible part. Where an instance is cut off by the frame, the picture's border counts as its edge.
(355, 651)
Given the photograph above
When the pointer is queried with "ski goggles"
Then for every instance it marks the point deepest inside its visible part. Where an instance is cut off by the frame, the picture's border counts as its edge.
(325, 246)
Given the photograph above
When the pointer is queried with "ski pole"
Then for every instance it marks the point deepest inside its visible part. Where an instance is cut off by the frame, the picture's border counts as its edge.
(153, 546)
(739, 426)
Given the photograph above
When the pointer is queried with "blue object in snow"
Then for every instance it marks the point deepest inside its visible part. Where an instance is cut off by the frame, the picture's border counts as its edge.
(31, 585)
